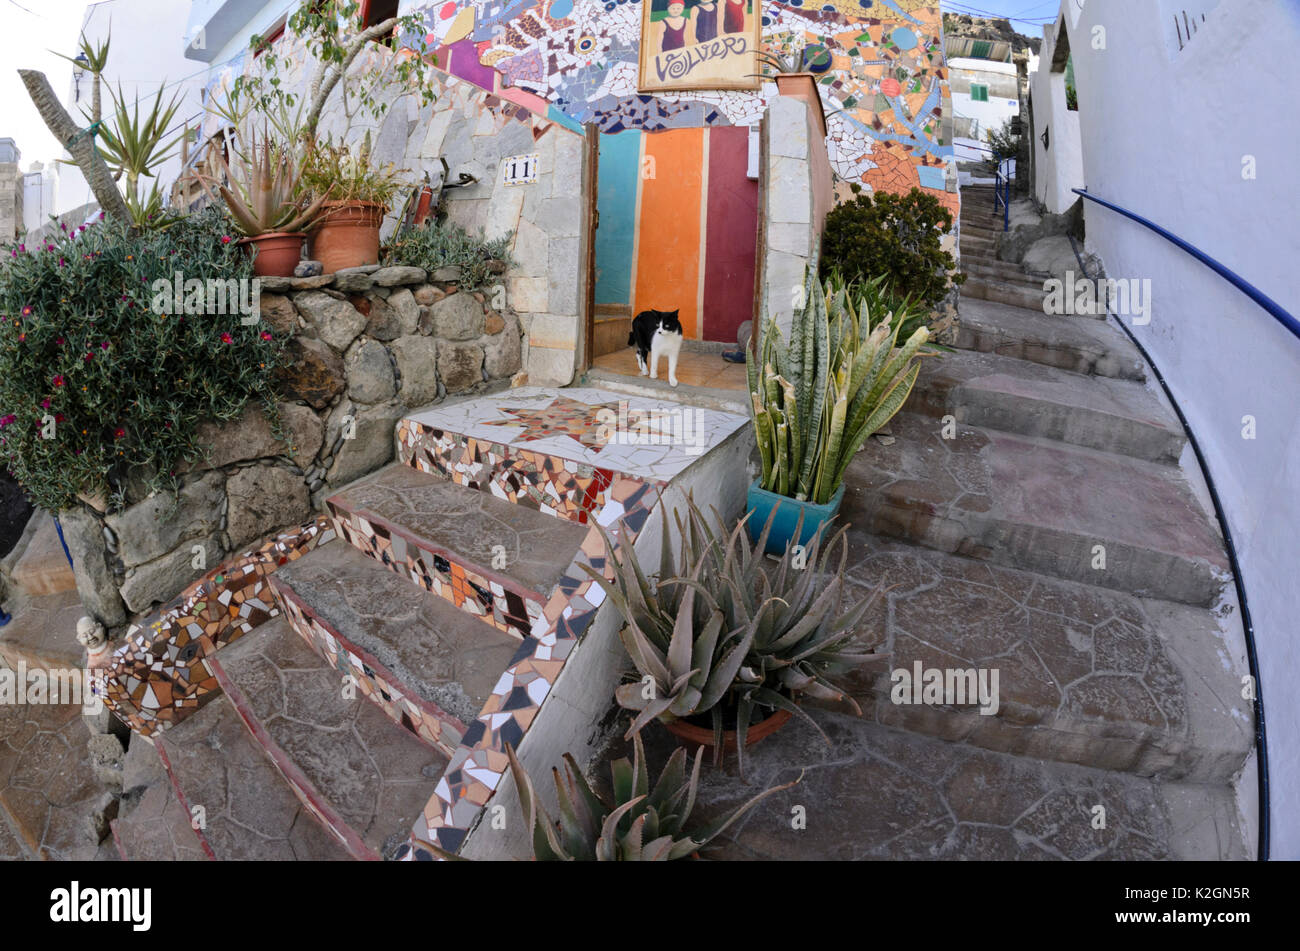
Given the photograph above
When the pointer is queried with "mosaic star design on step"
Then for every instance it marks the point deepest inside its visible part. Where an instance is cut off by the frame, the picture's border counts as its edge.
(584, 422)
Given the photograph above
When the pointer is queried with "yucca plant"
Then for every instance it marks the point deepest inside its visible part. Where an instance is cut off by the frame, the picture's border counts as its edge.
(640, 824)
(732, 637)
(266, 195)
(817, 400)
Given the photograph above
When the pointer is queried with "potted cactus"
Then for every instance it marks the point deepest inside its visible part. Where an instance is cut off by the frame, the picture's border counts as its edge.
(724, 649)
(267, 204)
(357, 197)
(815, 403)
(640, 824)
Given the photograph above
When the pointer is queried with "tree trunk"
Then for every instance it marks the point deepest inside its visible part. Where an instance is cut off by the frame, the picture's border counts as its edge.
(328, 75)
(81, 147)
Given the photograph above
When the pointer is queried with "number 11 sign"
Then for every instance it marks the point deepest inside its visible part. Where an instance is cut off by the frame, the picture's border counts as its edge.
(520, 169)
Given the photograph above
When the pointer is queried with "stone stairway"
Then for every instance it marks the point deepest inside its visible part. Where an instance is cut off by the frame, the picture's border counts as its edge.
(1120, 682)
(372, 714)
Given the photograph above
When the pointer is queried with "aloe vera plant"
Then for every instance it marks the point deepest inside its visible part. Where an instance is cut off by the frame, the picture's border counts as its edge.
(815, 402)
(640, 824)
(732, 635)
(266, 194)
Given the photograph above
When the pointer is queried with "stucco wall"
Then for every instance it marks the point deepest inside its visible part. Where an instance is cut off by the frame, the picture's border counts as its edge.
(1162, 136)
(1058, 166)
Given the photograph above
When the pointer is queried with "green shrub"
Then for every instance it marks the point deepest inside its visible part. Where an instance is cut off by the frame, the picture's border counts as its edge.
(892, 236)
(97, 384)
(449, 245)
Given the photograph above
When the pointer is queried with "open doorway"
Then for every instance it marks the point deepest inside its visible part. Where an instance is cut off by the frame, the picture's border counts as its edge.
(677, 231)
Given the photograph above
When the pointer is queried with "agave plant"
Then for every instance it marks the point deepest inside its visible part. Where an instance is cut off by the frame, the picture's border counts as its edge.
(641, 824)
(798, 63)
(816, 401)
(266, 195)
(733, 637)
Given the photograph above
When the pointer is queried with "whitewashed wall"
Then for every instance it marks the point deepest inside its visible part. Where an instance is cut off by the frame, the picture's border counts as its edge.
(1174, 136)
(1058, 166)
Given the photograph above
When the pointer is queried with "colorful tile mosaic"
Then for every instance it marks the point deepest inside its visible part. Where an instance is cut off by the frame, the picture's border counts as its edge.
(880, 66)
(496, 600)
(426, 720)
(161, 673)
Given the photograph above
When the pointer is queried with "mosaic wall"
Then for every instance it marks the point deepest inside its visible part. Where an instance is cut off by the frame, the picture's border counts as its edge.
(161, 674)
(883, 74)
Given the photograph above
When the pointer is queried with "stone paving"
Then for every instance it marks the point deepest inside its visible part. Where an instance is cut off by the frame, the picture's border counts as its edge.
(152, 825)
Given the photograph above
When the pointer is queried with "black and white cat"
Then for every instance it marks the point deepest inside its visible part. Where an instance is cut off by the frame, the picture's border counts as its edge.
(657, 333)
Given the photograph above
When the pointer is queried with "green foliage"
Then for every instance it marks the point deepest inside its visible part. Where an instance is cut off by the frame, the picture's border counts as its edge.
(730, 637)
(133, 147)
(265, 194)
(640, 824)
(335, 172)
(894, 236)
(449, 245)
(816, 401)
(1003, 143)
(119, 388)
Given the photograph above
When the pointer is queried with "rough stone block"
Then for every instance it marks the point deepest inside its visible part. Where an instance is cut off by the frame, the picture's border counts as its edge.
(417, 362)
(336, 322)
(460, 366)
(164, 578)
(264, 499)
(458, 317)
(370, 373)
(95, 582)
(155, 526)
(312, 372)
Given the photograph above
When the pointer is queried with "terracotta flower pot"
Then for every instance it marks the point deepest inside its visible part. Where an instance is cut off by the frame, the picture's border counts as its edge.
(693, 736)
(803, 86)
(275, 254)
(347, 235)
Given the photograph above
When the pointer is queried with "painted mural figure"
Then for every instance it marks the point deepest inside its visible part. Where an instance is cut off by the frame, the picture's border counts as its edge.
(675, 26)
(706, 22)
(734, 18)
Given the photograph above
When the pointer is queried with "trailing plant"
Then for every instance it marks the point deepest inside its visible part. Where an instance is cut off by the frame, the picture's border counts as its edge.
(98, 383)
(640, 823)
(336, 172)
(895, 236)
(444, 244)
(816, 401)
(727, 638)
(1003, 143)
(264, 193)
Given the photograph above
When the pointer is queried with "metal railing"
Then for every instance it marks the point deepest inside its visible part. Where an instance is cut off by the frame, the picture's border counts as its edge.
(1247, 623)
(1002, 193)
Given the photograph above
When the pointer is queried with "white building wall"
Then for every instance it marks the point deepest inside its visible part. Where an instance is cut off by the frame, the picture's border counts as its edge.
(1058, 165)
(1177, 137)
(985, 115)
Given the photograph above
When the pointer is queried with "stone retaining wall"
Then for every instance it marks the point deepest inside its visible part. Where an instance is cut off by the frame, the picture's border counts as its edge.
(368, 346)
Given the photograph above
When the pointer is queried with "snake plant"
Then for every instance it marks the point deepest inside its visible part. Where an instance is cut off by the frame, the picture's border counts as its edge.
(817, 400)
(641, 824)
(733, 635)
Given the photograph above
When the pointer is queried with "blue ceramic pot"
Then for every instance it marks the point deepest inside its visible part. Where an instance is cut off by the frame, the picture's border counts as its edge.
(760, 505)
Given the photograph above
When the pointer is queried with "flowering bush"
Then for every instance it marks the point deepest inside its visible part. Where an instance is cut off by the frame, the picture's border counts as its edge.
(103, 376)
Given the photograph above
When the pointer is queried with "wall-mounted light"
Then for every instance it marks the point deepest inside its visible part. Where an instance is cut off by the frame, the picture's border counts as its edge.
(79, 66)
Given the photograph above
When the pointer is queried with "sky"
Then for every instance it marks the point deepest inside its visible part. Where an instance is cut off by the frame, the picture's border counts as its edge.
(1026, 16)
(29, 30)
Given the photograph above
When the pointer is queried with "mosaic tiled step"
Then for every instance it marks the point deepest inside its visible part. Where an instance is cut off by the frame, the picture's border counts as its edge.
(1084, 675)
(1018, 396)
(492, 559)
(1084, 346)
(243, 808)
(560, 451)
(935, 800)
(1039, 505)
(427, 664)
(359, 773)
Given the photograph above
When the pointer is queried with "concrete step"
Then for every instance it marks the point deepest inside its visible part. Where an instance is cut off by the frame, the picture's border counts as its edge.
(242, 806)
(982, 229)
(428, 665)
(151, 825)
(497, 561)
(1004, 271)
(43, 631)
(1017, 396)
(1085, 674)
(1039, 505)
(1084, 346)
(975, 243)
(936, 800)
(1003, 292)
(364, 777)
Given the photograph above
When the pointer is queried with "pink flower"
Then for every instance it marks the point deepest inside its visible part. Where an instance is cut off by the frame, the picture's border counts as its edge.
(104, 345)
(226, 338)
(58, 417)
(27, 311)
(225, 239)
(58, 379)
(89, 357)
(266, 336)
(45, 404)
(59, 341)
(119, 433)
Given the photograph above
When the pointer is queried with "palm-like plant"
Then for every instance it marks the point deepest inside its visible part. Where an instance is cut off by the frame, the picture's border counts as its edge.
(816, 401)
(266, 195)
(641, 824)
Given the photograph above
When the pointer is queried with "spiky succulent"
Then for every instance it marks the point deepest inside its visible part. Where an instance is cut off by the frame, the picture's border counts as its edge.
(266, 195)
(640, 824)
(731, 636)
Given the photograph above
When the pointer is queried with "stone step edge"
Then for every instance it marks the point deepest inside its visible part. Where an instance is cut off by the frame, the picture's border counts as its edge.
(399, 703)
(303, 788)
(534, 601)
(160, 746)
